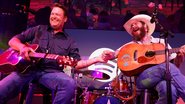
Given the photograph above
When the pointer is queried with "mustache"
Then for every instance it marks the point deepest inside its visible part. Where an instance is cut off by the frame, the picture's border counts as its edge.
(135, 29)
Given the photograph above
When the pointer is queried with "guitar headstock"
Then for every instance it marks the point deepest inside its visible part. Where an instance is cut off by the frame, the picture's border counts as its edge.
(66, 60)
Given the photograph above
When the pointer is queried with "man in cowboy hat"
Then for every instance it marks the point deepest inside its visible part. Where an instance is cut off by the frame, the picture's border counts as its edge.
(141, 29)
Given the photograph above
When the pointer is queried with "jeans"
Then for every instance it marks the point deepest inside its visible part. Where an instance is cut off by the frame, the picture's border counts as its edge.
(159, 1)
(63, 84)
(55, 1)
(154, 77)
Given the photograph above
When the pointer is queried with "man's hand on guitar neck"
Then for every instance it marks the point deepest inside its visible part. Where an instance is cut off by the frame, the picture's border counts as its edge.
(24, 52)
(180, 56)
(182, 50)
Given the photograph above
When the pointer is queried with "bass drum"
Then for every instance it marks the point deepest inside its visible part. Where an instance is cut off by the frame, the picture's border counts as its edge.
(107, 100)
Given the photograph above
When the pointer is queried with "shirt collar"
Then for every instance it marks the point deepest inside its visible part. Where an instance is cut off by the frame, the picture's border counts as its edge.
(50, 29)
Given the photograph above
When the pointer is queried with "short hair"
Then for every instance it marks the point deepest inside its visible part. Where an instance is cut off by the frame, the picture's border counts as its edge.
(62, 7)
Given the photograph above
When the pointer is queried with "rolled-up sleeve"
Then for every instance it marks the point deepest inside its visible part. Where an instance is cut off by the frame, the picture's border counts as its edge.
(27, 35)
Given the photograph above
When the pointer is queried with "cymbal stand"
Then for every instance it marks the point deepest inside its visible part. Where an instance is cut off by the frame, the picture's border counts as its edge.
(108, 89)
(75, 76)
(85, 95)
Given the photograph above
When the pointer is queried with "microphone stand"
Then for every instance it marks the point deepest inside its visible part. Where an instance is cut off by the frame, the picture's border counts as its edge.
(165, 34)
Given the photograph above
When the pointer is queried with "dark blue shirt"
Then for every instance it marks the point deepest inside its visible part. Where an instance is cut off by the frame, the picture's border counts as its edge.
(59, 44)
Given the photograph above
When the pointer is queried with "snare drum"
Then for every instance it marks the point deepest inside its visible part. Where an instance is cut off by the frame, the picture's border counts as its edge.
(107, 100)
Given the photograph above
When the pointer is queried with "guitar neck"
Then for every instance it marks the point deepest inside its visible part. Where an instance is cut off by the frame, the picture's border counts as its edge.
(174, 50)
(43, 55)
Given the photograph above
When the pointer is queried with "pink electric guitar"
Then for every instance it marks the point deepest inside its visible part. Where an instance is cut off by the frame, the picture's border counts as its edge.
(10, 60)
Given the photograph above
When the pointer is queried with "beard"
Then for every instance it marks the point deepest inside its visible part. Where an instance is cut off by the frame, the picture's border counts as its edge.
(141, 35)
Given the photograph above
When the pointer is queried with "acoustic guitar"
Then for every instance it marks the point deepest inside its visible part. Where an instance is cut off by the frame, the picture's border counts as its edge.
(134, 58)
(10, 60)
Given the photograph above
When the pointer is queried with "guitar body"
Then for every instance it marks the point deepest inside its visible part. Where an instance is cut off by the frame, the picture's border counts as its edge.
(10, 60)
(132, 58)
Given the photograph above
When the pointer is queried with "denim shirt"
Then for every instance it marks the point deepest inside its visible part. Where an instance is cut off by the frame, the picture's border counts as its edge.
(59, 44)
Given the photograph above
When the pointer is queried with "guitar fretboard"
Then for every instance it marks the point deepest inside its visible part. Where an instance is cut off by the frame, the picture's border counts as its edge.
(43, 55)
(174, 50)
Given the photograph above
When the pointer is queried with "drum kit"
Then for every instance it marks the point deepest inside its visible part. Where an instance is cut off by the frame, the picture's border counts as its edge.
(103, 83)
(121, 90)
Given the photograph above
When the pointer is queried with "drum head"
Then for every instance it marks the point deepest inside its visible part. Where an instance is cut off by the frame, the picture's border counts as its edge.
(107, 100)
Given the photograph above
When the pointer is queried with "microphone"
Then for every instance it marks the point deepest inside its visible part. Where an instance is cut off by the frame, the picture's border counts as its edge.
(154, 14)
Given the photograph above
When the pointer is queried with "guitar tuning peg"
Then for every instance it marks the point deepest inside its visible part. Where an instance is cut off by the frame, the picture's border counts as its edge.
(72, 59)
(33, 61)
(70, 63)
(60, 65)
(59, 61)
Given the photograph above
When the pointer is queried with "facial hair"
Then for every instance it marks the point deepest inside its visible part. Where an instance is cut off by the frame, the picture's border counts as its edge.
(141, 35)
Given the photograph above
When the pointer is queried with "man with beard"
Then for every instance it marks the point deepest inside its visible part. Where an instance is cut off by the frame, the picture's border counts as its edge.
(140, 28)
(51, 40)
